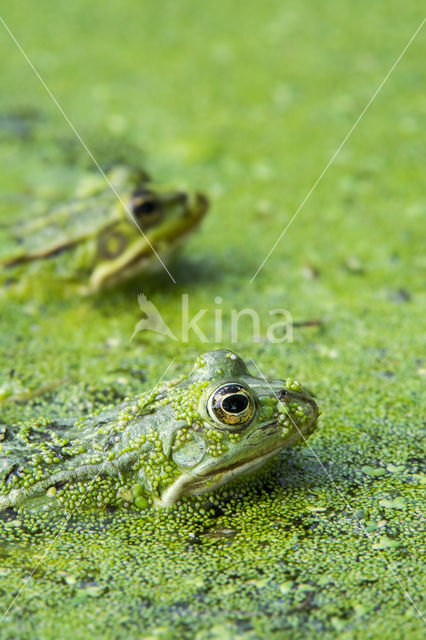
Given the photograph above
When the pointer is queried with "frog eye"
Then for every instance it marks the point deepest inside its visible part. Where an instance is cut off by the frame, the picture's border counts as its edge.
(146, 207)
(231, 404)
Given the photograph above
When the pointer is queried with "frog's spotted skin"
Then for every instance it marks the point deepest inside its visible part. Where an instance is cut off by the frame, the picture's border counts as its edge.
(184, 437)
(96, 235)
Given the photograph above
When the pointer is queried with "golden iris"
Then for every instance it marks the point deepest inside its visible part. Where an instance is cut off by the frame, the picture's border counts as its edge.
(231, 404)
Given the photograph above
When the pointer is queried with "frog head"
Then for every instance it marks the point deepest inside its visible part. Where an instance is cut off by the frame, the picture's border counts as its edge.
(111, 230)
(151, 220)
(238, 422)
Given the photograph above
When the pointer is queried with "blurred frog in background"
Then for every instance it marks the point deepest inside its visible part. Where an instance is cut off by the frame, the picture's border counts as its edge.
(111, 230)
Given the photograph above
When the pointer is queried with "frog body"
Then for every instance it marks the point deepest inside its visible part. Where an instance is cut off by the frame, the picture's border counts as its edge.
(185, 437)
(110, 231)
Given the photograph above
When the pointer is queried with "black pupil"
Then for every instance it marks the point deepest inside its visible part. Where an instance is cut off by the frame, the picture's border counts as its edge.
(144, 208)
(235, 403)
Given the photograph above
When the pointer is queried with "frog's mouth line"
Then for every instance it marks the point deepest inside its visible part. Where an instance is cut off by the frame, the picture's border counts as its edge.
(187, 484)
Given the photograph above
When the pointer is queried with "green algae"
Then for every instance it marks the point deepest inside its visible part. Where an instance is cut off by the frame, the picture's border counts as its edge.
(319, 546)
(285, 569)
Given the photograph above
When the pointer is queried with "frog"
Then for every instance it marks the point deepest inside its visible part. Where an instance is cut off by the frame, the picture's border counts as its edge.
(183, 438)
(115, 226)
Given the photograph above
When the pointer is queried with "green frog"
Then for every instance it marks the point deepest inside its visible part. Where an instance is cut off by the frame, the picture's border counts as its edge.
(185, 437)
(108, 232)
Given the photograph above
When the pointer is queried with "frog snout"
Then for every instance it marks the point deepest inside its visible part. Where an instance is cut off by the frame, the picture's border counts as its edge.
(202, 202)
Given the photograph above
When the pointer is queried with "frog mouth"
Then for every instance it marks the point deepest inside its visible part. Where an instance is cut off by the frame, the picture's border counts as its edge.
(188, 484)
(206, 477)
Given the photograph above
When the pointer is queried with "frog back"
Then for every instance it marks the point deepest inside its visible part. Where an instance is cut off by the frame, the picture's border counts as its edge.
(47, 454)
(93, 211)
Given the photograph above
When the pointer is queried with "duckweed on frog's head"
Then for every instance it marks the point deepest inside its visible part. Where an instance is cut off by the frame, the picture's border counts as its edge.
(108, 232)
(184, 437)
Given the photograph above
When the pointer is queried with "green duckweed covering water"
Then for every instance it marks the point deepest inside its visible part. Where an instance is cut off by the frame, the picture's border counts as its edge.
(246, 102)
